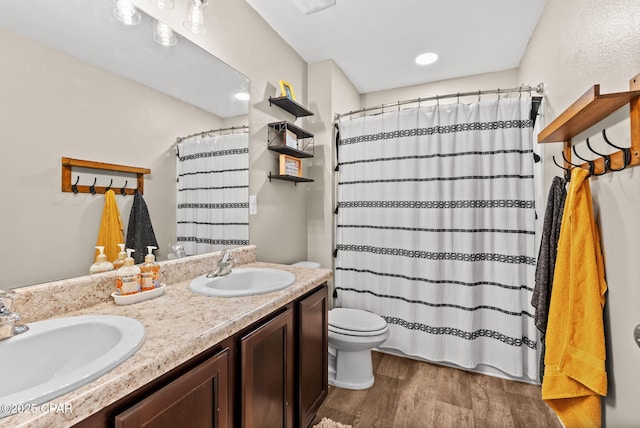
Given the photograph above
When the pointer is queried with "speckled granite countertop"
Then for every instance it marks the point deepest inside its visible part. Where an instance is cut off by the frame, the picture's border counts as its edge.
(178, 325)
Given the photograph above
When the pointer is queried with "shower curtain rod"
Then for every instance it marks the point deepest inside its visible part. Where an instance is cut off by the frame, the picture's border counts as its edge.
(539, 89)
(244, 128)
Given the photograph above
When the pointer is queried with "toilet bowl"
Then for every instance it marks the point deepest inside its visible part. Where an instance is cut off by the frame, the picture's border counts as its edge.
(352, 335)
(306, 263)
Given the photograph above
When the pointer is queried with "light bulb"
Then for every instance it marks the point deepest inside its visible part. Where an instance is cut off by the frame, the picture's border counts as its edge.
(163, 4)
(197, 18)
(163, 34)
(126, 12)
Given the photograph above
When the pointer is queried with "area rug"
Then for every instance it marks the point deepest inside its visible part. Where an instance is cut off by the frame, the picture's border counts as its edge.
(328, 423)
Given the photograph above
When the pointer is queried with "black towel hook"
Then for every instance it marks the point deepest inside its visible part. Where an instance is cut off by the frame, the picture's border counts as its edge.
(607, 158)
(626, 151)
(567, 171)
(123, 189)
(92, 188)
(74, 186)
(109, 186)
(592, 164)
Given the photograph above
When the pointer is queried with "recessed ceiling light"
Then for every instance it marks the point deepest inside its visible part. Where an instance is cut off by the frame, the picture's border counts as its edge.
(426, 58)
(242, 96)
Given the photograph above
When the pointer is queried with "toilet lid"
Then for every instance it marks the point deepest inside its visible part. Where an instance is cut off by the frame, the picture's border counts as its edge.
(355, 320)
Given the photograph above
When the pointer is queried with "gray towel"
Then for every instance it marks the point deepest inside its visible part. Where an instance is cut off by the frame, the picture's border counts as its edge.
(547, 258)
(140, 231)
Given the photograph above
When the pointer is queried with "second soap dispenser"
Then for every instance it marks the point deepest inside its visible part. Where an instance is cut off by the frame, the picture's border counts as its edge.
(128, 281)
(149, 271)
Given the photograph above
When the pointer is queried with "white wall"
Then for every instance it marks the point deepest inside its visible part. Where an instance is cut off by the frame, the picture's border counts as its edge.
(579, 43)
(55, 106)
(238, 36)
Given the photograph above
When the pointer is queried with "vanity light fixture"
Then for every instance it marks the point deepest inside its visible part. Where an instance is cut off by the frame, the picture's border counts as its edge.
(163, 4)
(163, 34)
(197, 17)
(312, 6)
(126, 12)
(426, 58)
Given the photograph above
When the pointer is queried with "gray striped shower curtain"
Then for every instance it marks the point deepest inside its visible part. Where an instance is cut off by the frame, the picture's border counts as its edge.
(212, 192)
(435, 231)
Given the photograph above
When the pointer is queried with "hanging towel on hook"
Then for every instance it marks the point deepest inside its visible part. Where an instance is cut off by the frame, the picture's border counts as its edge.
(110, 233)
(575, 375)
(140, 231)
(547, 259)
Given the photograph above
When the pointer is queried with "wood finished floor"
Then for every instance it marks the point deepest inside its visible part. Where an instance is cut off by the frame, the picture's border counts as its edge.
(414, 394)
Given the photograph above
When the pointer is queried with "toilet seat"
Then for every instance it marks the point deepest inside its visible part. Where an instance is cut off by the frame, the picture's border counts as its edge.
(357, 333)
(356, 322)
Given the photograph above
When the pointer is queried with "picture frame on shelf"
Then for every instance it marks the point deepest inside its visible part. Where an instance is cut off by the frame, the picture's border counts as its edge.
(290, 165)
(286, 90)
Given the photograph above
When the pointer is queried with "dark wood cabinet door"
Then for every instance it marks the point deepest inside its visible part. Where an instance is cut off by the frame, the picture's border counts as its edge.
(199, 398)
(267, 369)
(313, 355)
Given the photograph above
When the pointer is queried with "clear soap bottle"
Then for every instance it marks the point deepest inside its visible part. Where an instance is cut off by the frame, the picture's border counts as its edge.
(101, 264)
(119, 262)
(149, 271)
(128, 281)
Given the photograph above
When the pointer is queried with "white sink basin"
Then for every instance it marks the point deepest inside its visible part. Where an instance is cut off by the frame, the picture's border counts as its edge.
(243, 282)
(57, 356)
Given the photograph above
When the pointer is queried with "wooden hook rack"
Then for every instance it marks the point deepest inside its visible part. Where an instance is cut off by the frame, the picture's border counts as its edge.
(69, 163)
(590, 109)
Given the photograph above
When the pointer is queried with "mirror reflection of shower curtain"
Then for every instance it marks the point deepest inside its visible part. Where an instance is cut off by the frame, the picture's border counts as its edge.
(213, 192)
(436, 231)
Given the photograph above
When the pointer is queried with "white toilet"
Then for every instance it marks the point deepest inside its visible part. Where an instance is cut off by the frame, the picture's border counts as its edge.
(352, 335)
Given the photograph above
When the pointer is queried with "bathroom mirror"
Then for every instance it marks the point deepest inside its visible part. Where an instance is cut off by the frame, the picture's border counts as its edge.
(78, 83)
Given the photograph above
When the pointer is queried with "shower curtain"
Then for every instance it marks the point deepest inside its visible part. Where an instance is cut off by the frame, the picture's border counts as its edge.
(435, 230)
(213, 192)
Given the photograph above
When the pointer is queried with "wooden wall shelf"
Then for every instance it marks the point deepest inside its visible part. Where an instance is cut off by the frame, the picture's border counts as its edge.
(589, 109)
(68, 185)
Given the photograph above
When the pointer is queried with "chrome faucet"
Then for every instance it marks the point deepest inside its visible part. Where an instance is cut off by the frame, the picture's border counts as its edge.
(223, 266)
(8, 319)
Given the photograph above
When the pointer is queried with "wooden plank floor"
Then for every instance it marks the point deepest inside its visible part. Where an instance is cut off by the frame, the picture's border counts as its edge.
(414, 394)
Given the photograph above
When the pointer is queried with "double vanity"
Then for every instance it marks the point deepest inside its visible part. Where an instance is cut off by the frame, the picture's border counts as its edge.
(258, 358)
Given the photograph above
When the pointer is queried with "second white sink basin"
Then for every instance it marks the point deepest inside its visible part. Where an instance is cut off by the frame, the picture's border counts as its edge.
(57, 356)
(243, 282)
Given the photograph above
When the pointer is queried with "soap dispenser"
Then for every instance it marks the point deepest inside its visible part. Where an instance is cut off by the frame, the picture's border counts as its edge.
(128, 281)
(149, 271)
(119, 262)
(101, 264)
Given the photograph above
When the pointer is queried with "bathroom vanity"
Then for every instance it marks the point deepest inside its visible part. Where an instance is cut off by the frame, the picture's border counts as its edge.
(209, 361)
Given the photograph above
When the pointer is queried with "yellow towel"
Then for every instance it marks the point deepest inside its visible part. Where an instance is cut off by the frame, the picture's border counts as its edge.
(110, 233)
(575, 375)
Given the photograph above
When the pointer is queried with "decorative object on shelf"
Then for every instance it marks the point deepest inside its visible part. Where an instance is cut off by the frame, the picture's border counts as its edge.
(290, 166)
(286, 90)
(288, 139)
